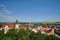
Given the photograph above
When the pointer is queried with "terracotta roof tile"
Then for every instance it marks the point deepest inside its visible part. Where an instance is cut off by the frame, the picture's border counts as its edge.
(9, 25)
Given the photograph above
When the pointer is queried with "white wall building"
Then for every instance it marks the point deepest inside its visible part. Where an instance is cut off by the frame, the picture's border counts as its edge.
(6, 28)
(16, 26)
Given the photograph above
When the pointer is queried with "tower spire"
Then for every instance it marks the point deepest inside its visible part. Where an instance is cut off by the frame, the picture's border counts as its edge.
(16, 21)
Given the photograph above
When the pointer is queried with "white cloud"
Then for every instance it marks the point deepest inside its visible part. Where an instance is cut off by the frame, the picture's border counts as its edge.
(7, 18)
(7, 11)
(4, 10)
(5, 14)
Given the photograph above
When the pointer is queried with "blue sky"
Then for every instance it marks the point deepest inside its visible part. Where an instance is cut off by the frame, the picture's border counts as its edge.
(30, 10)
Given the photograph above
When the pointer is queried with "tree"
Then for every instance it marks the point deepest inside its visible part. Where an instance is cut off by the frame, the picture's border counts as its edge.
(11, 34)
(36, 36)
(1, 34)
(22, 35)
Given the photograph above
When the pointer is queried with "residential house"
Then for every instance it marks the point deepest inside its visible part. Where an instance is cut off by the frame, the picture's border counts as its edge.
(6, 27)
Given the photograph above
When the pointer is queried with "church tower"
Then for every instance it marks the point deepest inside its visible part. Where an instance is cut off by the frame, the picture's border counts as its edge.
(16, 24)
(16, 21)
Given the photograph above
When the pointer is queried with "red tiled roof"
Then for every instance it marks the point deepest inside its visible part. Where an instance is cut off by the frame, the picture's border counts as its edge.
(47, 31)
(3, 25)
(43, 29)
(9, 25)
(23, 25)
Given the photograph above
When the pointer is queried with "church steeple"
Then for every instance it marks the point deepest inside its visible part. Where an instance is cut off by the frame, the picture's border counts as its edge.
(17, 25)
(16, 21)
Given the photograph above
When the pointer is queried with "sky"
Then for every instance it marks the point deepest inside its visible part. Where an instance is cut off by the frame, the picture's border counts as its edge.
(30, 10)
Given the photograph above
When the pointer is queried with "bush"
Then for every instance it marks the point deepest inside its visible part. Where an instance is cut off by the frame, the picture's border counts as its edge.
(12, 34)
